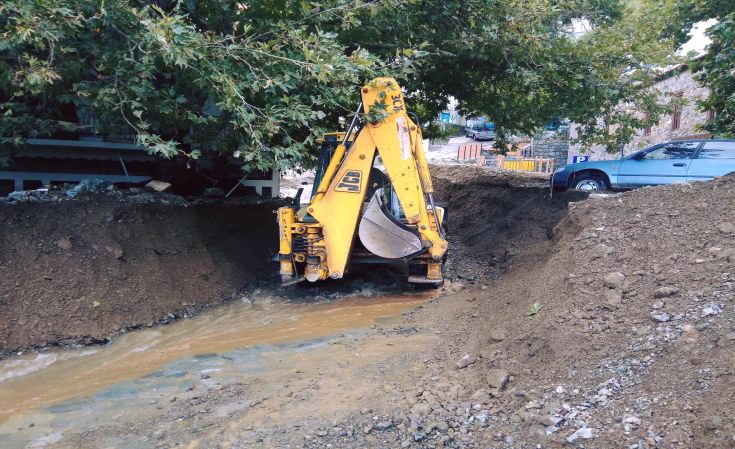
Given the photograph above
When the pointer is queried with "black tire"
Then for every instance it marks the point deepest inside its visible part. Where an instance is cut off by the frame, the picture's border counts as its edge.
(590, 182)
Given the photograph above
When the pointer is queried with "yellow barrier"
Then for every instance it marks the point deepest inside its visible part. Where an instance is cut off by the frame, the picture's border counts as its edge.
(536, 165)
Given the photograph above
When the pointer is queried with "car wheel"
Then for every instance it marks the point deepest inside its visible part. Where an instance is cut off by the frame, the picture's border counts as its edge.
(590, 182)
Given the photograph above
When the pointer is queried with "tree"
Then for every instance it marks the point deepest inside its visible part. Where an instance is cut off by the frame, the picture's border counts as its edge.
(246, 80)
(262, 80)
(520, 64)
(716, 69)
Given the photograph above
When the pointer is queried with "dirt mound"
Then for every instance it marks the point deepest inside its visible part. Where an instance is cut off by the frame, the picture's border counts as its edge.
(79, 271)
(469, 173)
(495, 217)
(623, 336)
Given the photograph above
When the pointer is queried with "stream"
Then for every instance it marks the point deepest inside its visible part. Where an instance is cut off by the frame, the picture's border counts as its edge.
(41, 394)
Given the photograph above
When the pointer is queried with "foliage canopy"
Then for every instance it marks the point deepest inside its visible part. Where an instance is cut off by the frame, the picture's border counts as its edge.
(716, 68)
(261, 81)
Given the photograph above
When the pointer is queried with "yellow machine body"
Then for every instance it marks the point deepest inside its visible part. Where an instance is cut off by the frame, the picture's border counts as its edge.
(326, 228)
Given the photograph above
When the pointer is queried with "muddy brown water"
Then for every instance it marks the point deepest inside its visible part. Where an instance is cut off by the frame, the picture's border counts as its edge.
(33, 381)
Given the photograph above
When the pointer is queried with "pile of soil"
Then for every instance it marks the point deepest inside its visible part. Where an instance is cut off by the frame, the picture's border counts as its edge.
(622, 335)
(495, 216)
(80, 271)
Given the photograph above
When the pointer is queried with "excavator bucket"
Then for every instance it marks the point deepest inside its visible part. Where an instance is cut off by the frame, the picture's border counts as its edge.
(383, 235)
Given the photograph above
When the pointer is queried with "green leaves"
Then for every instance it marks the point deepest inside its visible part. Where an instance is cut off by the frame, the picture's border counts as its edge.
(716, 69)
(535, 308)
(260, 81)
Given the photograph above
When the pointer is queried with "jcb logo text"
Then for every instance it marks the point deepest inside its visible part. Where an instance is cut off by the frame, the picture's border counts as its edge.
(350, 182)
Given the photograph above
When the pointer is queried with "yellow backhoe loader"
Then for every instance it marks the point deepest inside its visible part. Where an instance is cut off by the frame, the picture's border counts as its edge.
(360, 213)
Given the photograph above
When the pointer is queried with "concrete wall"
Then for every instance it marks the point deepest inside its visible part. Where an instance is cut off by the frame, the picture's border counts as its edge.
(679, 81)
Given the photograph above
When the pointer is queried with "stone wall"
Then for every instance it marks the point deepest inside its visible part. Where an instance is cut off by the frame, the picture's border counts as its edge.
(678, 81)
(554, 147)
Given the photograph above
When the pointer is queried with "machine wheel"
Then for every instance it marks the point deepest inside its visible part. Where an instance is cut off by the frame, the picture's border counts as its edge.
(590, 182)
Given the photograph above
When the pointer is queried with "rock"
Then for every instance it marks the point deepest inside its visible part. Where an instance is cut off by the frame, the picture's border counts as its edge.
(466, 361)
(613, 297)
(614, 280)
(584, 433)
(689, 329)
(497, 378)
(631, 423)
(141, 198)
(664, 292)
(420, 410)
(87, 186)
(406, 443)
(117, 252)
(382, 425)
(64, 243)
(661, 317)
(714, 422)
(158, 186)
(658, 305)
(214, 192)
(712, 309)
(727, 227)
(550, 421)
(497, 334)
(599, 251)
(481, 396)
(18, 196)
(727, 254)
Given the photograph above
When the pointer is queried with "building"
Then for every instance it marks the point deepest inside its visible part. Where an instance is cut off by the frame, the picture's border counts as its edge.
(682, 122)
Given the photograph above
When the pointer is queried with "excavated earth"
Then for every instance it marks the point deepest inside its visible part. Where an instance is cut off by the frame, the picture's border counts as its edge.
(566, 321)
(81, 271)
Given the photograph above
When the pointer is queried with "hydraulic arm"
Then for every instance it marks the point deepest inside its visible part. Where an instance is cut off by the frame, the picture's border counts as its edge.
(398, 222)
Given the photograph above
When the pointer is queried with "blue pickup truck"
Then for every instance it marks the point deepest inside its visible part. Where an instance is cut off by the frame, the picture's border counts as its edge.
(663, 163)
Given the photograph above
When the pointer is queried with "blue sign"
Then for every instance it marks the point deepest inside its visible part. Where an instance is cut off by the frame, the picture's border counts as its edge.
(445, 117)
(579, 158)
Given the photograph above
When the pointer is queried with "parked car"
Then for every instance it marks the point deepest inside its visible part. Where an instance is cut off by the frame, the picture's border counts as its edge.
(479, 131)
(663, 163)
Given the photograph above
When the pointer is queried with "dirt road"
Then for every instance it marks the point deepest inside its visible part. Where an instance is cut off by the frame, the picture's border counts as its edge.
(609, 323)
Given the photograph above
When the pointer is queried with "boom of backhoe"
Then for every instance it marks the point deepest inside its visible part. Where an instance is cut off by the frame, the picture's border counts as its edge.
(393, 213)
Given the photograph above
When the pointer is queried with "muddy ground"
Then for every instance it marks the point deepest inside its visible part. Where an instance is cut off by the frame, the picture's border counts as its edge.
(605, 323)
